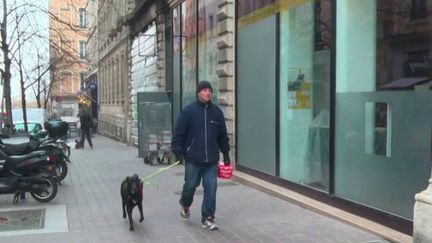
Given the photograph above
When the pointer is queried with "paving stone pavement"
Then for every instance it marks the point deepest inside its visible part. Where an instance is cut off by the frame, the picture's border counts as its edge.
(91, 193)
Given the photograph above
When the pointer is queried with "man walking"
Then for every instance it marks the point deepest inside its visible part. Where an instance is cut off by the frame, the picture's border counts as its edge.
(199, 135)
(86, 125)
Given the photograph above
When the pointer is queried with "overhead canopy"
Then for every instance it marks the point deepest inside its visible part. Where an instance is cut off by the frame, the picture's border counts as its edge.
(405, 83)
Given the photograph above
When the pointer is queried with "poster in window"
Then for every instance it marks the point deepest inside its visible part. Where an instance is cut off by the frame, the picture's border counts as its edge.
(299, 90)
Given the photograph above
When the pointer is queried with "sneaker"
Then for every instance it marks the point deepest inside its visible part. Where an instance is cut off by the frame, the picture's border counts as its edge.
(209, 224)
(184, 212)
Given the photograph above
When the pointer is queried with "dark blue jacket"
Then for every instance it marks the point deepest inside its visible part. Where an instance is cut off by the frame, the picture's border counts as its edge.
(200, 133)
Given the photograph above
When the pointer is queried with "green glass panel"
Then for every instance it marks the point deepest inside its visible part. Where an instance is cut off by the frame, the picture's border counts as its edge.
(387, 183)
(304, 93)
(189, 39)
(256, 95)
(382, 121)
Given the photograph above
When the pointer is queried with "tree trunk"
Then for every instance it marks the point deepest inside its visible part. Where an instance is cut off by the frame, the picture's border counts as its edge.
(7, 94)
(48, 93)
(38, 92)
(6, 73)
(38, 84)
(23, 98)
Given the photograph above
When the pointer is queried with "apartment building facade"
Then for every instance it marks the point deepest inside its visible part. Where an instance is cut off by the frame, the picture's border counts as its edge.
(90, 88)
(113, 65)
(68, 35)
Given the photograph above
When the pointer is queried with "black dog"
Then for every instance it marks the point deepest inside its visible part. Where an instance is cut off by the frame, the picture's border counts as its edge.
(79, 144)
(132, 195)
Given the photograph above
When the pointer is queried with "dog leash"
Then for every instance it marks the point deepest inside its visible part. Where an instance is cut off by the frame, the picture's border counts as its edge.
(146, 179)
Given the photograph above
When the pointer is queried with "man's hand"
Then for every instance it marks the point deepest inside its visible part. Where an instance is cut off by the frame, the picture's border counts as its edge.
(226, 159)
(179, 158)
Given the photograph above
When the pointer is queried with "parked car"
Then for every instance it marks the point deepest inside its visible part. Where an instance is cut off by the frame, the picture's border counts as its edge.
(33, 127)
(34, 115)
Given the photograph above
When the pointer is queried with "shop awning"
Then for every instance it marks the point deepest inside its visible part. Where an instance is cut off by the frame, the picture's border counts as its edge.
(405, 83)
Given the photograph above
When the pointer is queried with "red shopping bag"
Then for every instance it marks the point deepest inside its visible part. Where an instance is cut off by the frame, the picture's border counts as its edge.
(224, 171)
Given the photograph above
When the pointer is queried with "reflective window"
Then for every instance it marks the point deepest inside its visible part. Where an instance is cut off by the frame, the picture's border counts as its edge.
(256, 90)
(82, 49)
(189, 42)
(382, 127)
(250, 7)
(207, 46)
(176, 62)
(305, 57)
(82, 17)
(404, 44)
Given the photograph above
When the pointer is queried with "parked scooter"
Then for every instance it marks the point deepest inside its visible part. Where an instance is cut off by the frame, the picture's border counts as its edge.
(56, 156)
(53, 146)
(44, 139)
(21, 173)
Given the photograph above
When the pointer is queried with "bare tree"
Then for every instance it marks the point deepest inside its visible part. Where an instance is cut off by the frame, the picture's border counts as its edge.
(39, 85)
(19, 63)
(20, 38)
(17, 28)
(24, 33)
(6, 71)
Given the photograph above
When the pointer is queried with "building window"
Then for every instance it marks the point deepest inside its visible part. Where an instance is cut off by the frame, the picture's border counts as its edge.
(418, 9)
(189, 52)
(82, 18)
(385, 79)
(82, 49)
(418, 64)
(82, 83)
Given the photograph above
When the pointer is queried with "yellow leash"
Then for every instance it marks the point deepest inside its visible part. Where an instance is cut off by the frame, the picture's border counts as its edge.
(146, 180)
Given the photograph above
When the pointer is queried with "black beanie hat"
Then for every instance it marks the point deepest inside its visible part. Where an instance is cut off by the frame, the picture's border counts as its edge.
(203, 85)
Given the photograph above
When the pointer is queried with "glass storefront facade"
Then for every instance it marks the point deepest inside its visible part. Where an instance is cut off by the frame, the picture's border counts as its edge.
(189, 50)
(382, 149)
(194, 56)
(344, 96)
(207, 46)
(304, 93)
(256, 92)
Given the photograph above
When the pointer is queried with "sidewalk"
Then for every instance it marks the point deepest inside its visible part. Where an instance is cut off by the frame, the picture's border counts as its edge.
(91, 196)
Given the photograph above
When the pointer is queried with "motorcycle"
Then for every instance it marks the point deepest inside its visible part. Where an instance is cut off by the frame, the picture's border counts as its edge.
(58, 150)
(21, 173)
(42, 137)
(55, 153)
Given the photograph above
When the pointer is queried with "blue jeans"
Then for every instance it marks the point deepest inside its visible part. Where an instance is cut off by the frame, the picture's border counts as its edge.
(194, 172)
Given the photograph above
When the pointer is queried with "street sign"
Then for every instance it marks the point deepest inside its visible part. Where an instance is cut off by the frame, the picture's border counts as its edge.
(58, 98)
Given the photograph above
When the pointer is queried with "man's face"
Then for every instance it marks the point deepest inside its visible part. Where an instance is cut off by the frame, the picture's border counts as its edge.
(205, 95)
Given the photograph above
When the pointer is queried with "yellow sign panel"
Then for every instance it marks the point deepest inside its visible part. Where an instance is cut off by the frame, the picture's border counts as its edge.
(299, 92)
